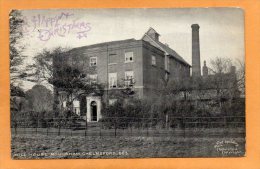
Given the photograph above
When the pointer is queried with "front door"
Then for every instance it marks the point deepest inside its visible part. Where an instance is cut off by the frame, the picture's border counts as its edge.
(93, 111)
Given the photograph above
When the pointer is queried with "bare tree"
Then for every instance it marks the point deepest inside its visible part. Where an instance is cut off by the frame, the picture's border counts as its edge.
(224, 80)
(240, 75)
(220, 65)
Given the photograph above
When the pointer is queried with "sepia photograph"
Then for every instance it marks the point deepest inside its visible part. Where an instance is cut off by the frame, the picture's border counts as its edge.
(127, 83)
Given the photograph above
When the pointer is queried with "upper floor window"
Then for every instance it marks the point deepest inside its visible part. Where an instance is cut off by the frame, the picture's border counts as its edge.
(129, 78)
(93, 61)
(93, 79)
(153, 60)
(129, 57)
(112, 80)
(112, 58)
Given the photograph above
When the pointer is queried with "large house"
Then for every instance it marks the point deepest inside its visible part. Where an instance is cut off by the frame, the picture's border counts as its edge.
(140, 64)
(143, 64)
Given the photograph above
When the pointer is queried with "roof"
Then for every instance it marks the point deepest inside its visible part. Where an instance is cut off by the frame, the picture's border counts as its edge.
(106, 43)
(162, 46)
(173, 53)
(166, 48)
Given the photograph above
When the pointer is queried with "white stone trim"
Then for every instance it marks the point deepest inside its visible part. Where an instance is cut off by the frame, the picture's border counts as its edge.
(97, 99)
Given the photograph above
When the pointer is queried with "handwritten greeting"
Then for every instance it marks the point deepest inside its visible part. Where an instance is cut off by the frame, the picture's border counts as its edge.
(227, 147)
(60, 25)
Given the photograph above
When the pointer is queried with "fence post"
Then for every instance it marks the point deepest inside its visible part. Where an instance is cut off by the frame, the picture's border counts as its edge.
(225, 122)
(115, 128)
(15, 128)
(37, 124)
(138, 127)
(86, 127)
(166, 120)
(131, 125)
(147, 129)
(47, 126)
(71, 123)
(184, 127)
(59, 130)
(100, 128)
(85, 131)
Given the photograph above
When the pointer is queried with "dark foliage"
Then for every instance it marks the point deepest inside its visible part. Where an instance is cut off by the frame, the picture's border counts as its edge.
(17, 91)
(16, 58)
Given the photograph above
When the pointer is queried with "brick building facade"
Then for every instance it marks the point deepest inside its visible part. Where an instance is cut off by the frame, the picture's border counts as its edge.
(143, 63)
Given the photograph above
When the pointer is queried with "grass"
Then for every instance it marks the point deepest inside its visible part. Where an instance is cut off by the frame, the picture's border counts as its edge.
(41, 146)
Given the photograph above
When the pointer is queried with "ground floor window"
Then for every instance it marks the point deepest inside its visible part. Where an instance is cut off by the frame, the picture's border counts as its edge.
(112, 101)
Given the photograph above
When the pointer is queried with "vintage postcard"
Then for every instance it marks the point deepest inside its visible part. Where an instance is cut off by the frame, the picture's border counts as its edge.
(127, 83)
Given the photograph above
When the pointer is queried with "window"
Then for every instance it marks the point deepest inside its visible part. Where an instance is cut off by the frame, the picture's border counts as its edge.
(93, 61)
(112, 58)
(129, 78)
(112, 101)
(75, 103)
(64, 104)
(76, 106)
(112, 80)
(129, 57)
(153, 60)
(93, 79)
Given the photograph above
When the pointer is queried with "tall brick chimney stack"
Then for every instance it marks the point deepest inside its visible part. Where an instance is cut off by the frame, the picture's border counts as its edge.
(196, 69)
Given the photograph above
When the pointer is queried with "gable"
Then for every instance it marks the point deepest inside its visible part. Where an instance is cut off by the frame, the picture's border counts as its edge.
(152, 31)
(149, 39)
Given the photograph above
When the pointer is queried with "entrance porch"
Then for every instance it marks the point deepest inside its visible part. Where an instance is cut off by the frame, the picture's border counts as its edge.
(93, 108)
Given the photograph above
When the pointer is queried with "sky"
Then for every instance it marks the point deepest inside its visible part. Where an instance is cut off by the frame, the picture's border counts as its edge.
(221, 29)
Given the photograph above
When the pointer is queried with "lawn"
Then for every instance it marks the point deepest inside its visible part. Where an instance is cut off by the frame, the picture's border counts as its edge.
(42, 146)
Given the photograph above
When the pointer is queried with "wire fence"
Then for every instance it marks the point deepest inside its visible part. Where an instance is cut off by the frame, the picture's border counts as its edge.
(229, 126)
